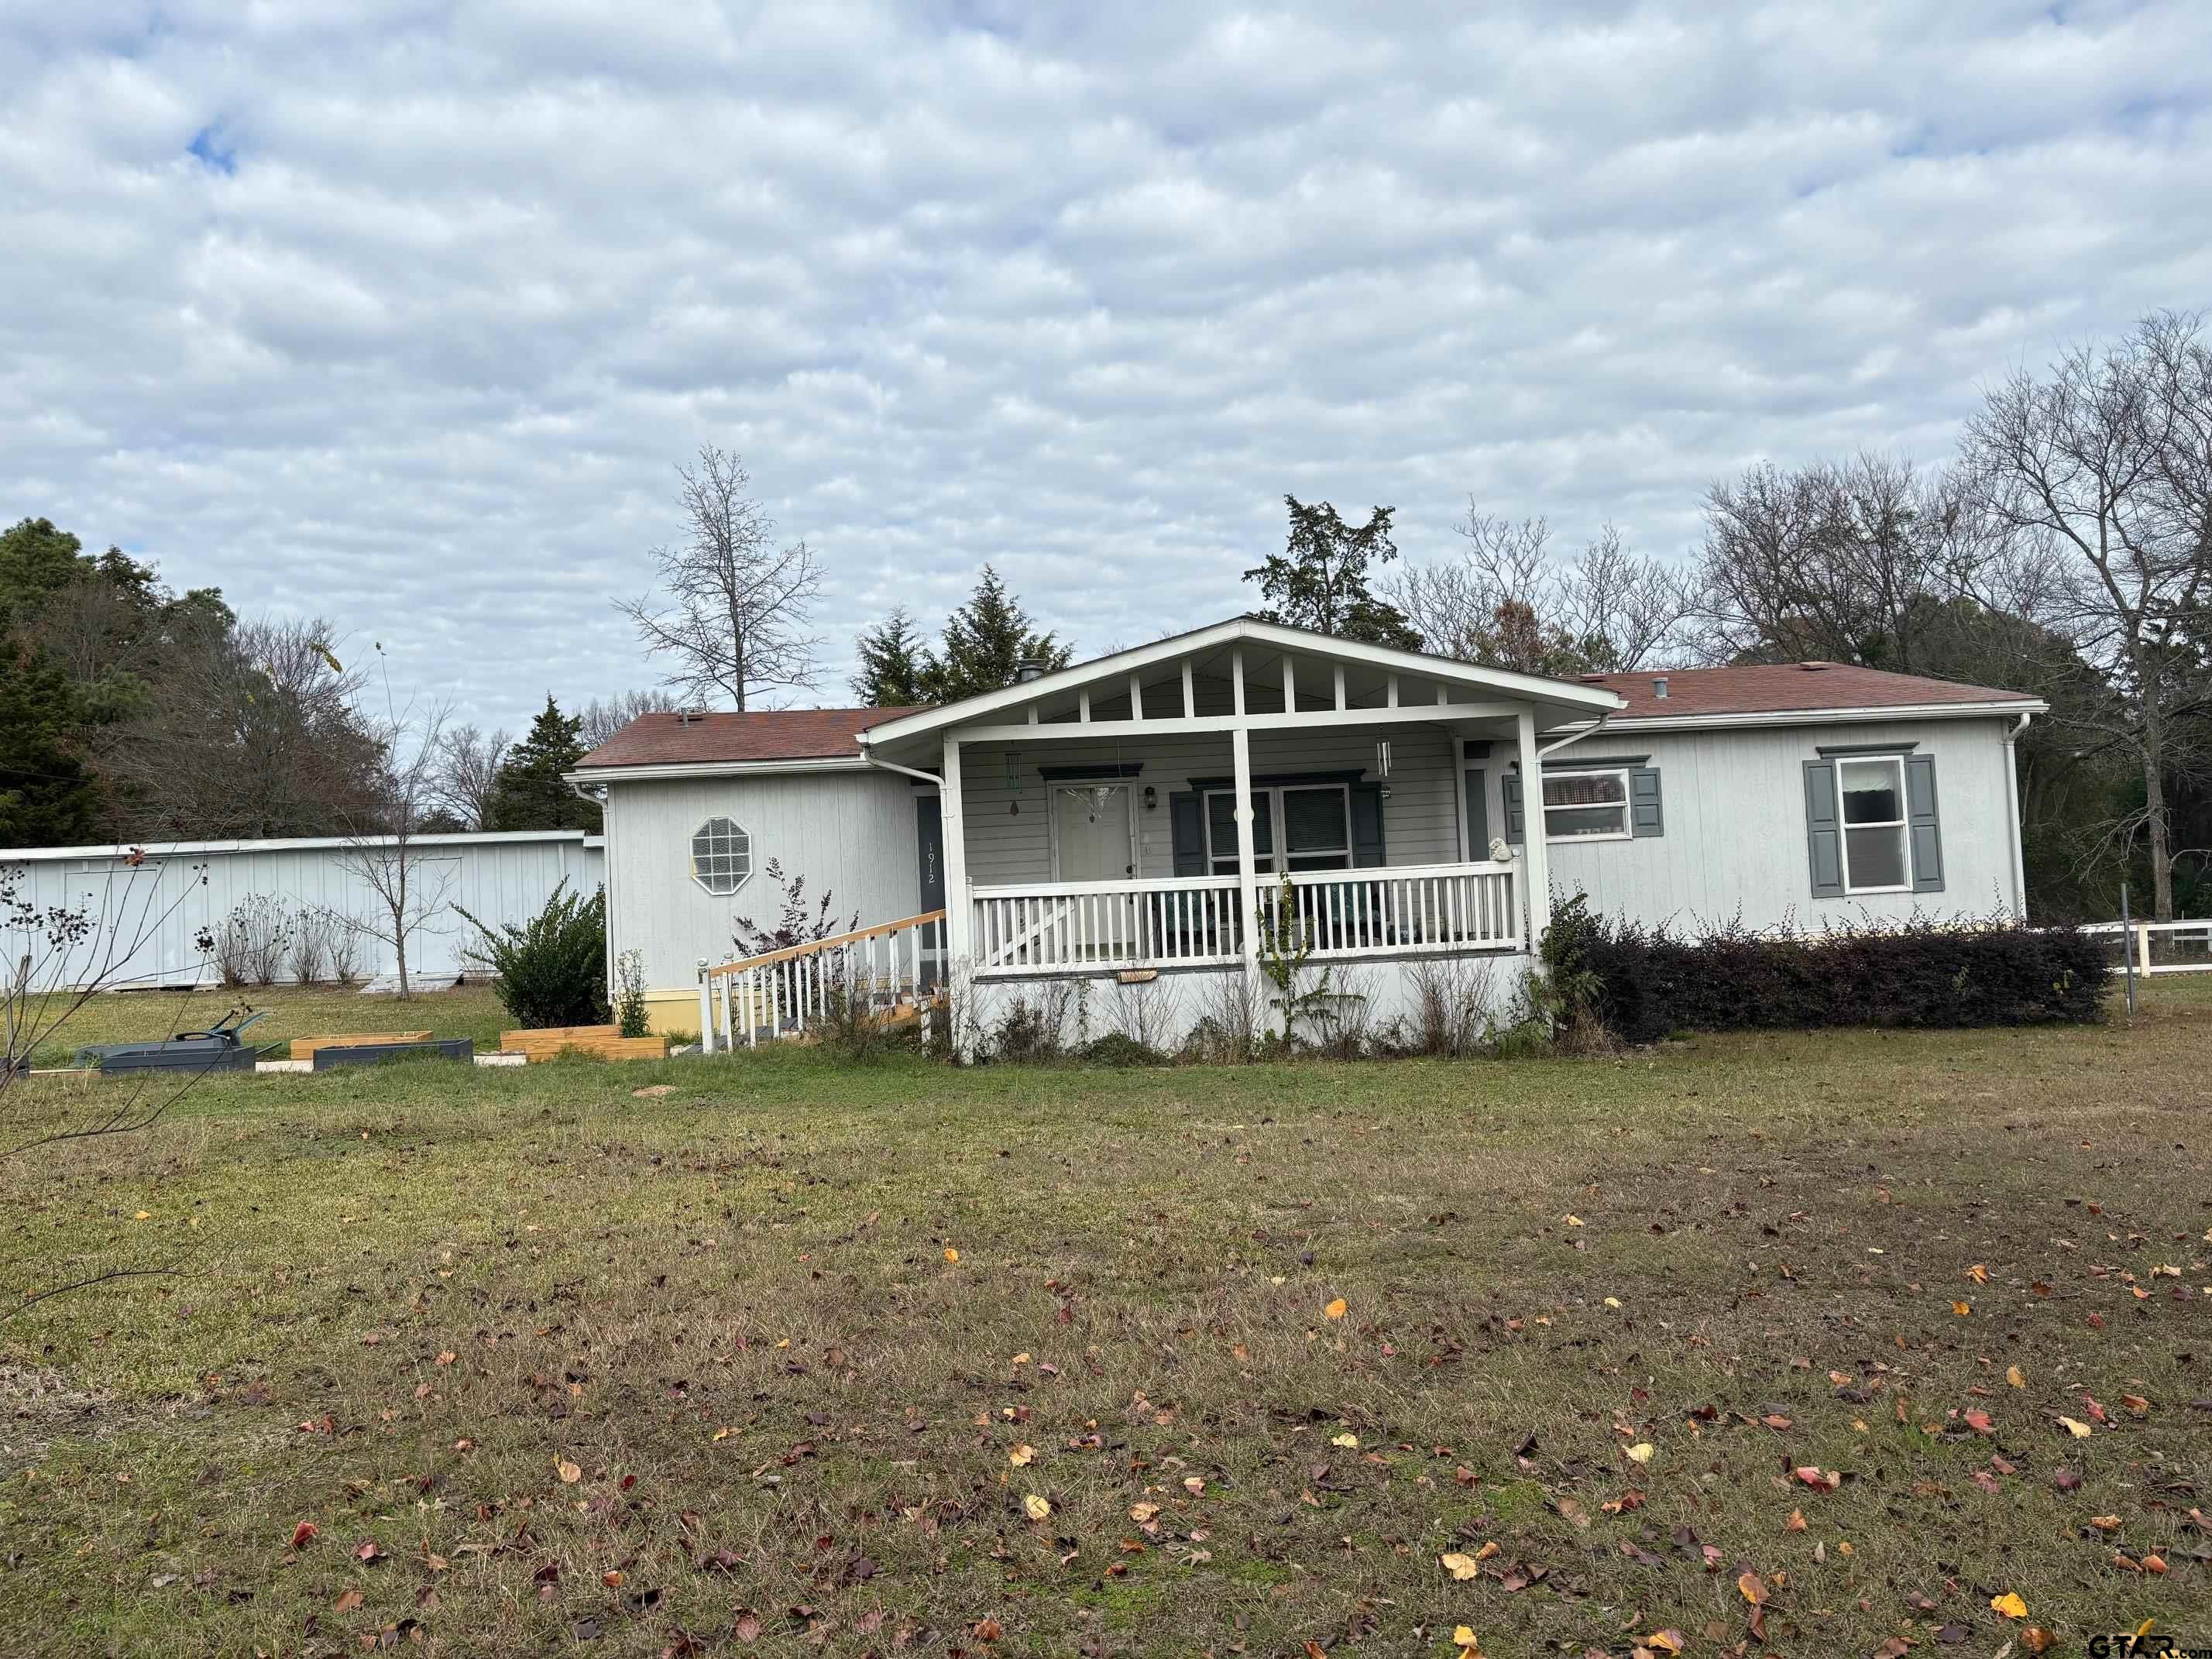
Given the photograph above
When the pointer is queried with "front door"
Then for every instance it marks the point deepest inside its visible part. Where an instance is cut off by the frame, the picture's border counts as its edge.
(1092, 820)
(1092, 824)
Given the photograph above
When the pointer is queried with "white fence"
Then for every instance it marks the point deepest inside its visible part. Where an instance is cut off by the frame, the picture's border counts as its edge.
(498, 877)
(2187, 945)
(1193, 921)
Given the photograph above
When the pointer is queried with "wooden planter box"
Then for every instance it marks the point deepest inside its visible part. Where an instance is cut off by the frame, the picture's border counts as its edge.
(600, 1042)
(304, 1047)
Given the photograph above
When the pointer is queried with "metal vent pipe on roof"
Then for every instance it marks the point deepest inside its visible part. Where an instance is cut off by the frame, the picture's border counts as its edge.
(1659, 686)
(1028, 671)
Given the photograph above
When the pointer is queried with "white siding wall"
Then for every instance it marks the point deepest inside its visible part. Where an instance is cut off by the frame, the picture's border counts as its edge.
(1420, 821)
(498, 877)
(1735, 814)
(848, 833)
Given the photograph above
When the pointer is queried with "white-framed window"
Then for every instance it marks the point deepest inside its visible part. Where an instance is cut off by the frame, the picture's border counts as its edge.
(1317, 820)
(721, 855)
(1586, 806)
(1876, 859)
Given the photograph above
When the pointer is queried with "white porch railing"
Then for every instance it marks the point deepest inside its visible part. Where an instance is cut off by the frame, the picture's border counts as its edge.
(877, 972)
(1190, 922)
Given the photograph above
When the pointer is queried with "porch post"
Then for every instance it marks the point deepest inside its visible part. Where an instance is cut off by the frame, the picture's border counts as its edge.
(1535, 861)
(959, 910)
(1248, 878)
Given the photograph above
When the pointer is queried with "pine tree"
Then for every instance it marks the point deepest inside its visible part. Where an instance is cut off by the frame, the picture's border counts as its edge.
(1320, 578)
(529, 794)
(47, 798)
(895, 662)
(987, 642)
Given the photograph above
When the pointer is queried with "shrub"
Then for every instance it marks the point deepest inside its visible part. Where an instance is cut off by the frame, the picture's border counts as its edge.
(1119, 1049)
(314, 941)
(253, 941)
(1451, 1006)
(630, 1017)
(796, 923)
(1642, 984)
(552, 970)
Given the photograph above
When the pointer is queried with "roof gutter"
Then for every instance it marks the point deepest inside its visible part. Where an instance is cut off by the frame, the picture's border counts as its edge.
(868, 754)
(1922, 711)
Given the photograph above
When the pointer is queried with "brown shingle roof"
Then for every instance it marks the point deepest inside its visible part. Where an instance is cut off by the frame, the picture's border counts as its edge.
(1785, 688)
(773, 735)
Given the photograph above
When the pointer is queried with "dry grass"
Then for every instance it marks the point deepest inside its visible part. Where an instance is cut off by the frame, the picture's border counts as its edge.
(409, 1297)
(467, 1010)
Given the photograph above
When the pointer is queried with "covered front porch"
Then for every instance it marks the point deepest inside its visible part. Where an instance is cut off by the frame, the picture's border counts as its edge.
(1243, 791)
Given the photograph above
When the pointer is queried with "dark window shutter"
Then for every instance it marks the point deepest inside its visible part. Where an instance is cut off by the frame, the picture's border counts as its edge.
(1508, 790)
(1644, 814)
(1823, 835)
(1478, 815)
(1920, 821)
(1366, 826)
(1189, 832)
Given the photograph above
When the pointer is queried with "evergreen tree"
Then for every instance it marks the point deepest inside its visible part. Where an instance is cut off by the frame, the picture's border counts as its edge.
(1320, 578)
(47, 798)
(987, 642)
(529, 794)
(895, 662)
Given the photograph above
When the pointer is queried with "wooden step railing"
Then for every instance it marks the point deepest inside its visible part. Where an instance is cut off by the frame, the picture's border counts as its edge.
(881, 971)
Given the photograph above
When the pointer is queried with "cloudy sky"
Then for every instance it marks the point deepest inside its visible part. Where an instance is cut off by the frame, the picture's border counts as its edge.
(401, 312)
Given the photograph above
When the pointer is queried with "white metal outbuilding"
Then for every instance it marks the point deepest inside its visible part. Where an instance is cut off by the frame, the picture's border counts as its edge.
(496, 877)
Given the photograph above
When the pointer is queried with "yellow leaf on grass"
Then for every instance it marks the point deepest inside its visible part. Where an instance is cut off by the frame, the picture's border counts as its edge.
(2075, 1427)
(1335, 1309)
(1962, 1309)
(1348, 1441)
(2014, 1376)
(1141, 1513)
(1464, 1639)
(2009, 1605)
(724, 1433)
(569, 1473)
(1021, 1454)
(1664, 1641)
(1748, 1586)
(1036, 1508)
(1642, 1451)
(1978, 1273)
(1460, 1566)
(951, 1254)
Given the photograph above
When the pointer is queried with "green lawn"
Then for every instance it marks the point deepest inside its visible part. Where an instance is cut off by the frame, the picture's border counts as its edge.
(776, 1361)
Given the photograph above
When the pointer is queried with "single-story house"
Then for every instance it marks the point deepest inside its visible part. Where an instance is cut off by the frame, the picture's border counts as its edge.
(1120, 820)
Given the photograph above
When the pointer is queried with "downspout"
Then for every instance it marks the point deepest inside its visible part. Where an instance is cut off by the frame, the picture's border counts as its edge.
(604, 801)
(869, 755)
(2012, 794)
(1574, 737)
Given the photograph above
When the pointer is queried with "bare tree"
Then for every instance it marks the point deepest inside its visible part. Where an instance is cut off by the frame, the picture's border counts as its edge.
(55, 958)
(2108, 462)
(733, 615)
(251, 731)
(1508, 603)
(383, 848)
(468, 768)
(1846, 562)
(599, 721)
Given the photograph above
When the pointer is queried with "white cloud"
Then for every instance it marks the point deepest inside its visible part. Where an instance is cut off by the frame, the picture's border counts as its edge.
(401, 312)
